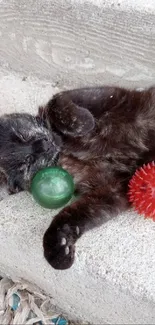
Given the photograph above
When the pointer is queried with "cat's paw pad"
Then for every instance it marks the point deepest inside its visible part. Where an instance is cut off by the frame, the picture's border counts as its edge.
(59, 245)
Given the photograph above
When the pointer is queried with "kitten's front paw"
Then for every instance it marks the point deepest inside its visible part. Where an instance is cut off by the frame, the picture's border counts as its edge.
(59, 246)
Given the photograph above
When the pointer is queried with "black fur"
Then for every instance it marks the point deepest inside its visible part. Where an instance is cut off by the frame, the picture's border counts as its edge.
(25, 147)
(101, 158)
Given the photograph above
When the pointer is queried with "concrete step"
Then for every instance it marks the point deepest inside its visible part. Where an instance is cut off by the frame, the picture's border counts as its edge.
(78, 42)
(113, 278)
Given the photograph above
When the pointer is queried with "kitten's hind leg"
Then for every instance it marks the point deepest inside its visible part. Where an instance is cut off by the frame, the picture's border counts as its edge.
(67, 117)
(89, 211)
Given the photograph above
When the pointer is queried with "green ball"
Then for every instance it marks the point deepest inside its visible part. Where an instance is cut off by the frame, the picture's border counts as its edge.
(52, 187)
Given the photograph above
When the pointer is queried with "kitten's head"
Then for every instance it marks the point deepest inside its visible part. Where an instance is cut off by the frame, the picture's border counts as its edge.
(26, 146)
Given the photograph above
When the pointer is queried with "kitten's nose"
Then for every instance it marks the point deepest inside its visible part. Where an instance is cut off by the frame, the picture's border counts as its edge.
(47, 145)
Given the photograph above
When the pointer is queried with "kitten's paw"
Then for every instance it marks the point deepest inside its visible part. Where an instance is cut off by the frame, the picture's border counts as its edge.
(59, 246)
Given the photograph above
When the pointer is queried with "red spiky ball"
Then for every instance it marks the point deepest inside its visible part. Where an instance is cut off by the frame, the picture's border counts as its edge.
(142, 190)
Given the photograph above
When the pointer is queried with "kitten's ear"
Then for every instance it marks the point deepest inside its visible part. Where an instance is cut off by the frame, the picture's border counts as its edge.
(41, 116)
(69, 118)
(40, 112)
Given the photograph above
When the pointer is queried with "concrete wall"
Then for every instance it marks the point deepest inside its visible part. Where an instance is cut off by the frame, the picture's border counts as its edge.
(46, 46)
(72, 42)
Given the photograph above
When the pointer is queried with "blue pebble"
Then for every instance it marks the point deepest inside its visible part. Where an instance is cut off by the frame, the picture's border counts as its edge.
(15, 302)
(59, 321)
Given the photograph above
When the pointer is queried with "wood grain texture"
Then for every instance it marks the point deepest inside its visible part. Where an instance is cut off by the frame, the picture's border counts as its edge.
(75, 44)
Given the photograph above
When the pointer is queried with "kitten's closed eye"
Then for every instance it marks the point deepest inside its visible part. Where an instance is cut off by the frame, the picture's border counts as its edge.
(18, 137)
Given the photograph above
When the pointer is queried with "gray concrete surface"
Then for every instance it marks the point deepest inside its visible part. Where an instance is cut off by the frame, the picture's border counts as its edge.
(113, 278)
(47, 45)
(76, 42)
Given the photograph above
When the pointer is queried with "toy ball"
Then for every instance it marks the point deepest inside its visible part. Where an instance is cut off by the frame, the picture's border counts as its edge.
(142, 190)
(52, 187)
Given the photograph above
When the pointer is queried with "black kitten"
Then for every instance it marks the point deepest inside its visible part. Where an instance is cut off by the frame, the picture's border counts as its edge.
(107, 133)
(26, 146)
